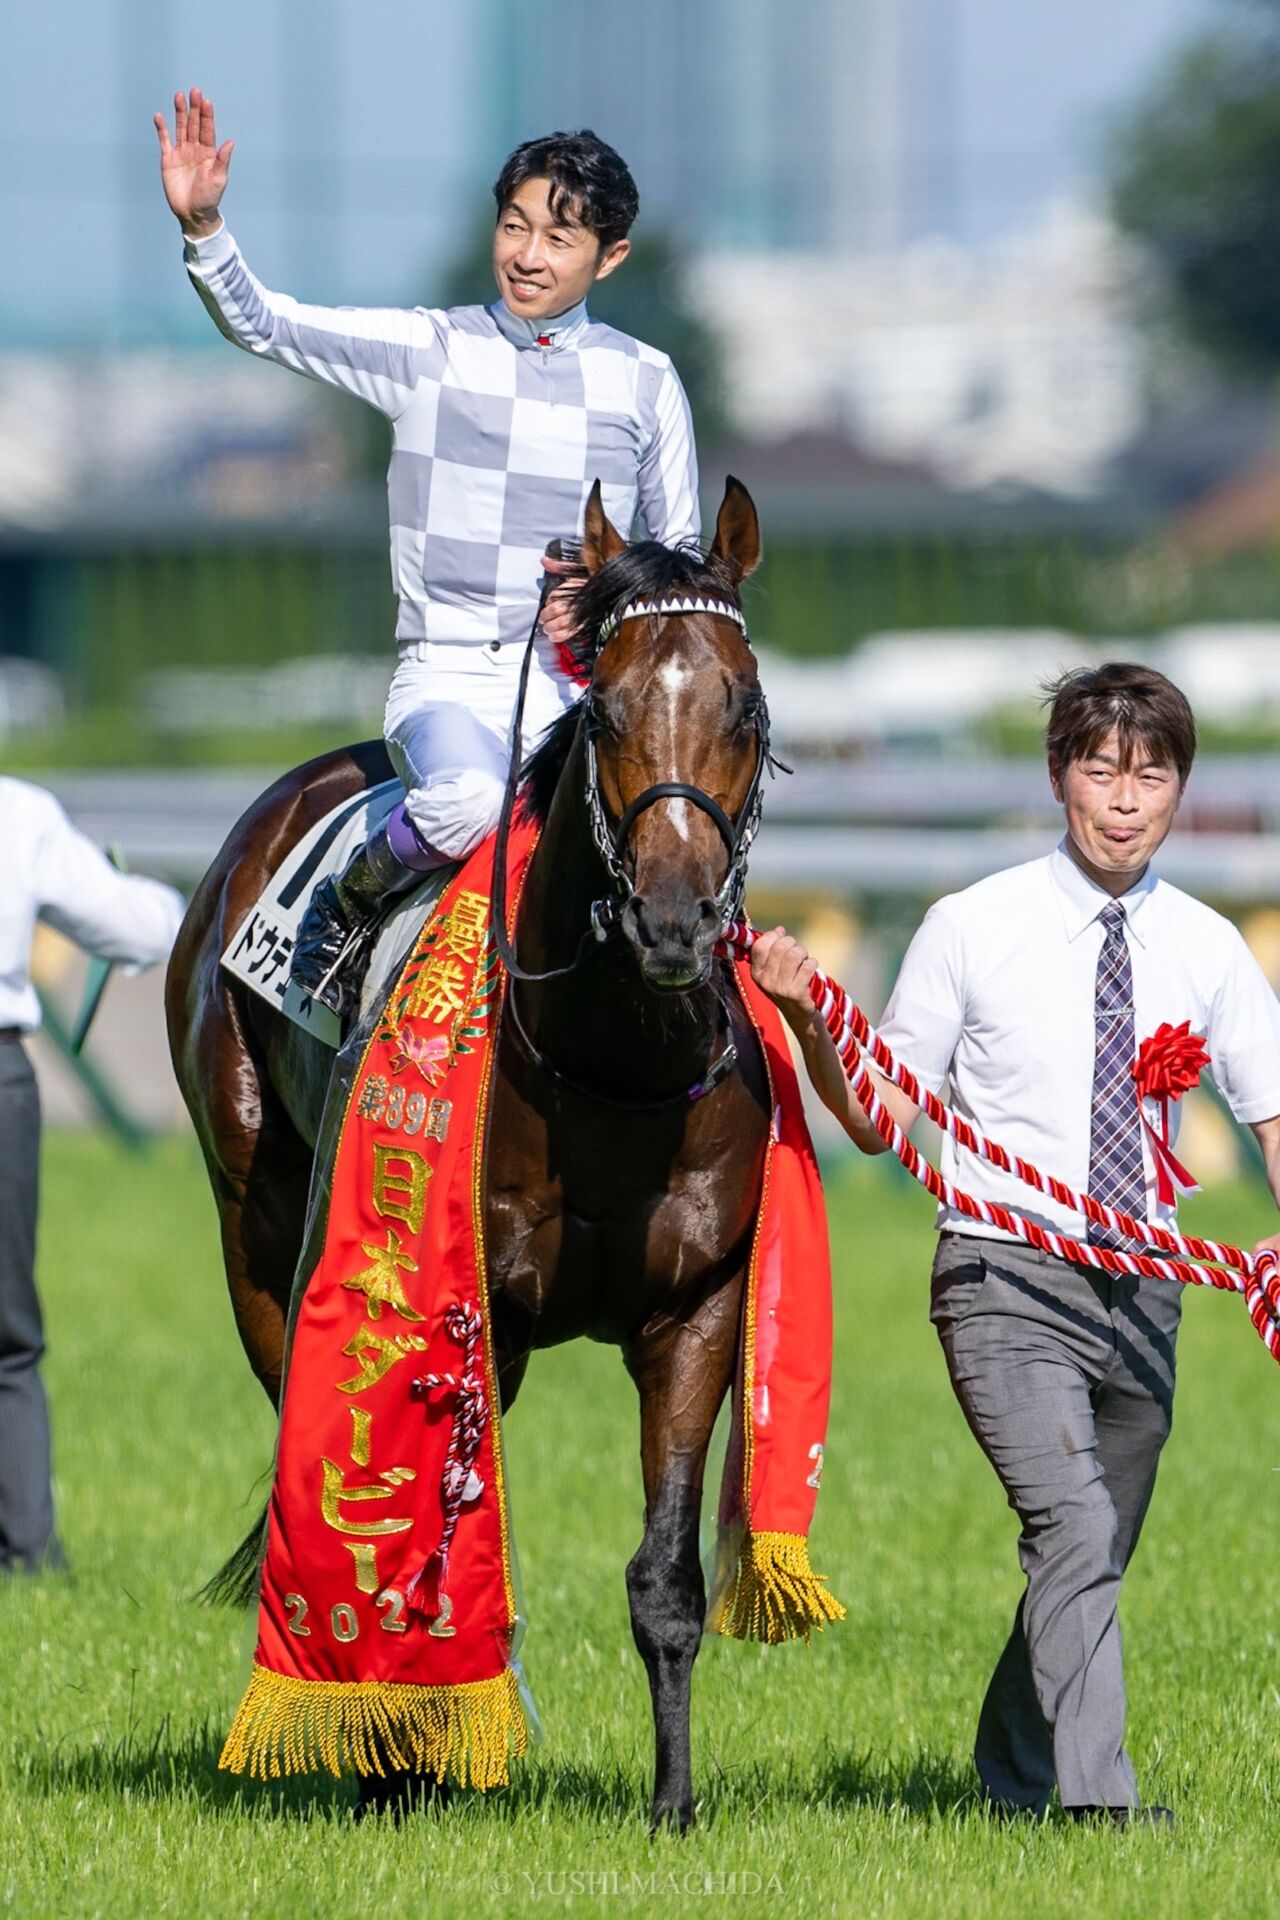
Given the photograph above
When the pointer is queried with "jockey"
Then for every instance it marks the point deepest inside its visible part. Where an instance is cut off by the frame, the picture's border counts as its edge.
(502, 417)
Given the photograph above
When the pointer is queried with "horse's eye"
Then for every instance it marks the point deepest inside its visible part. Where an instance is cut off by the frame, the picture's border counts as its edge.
(597, 718)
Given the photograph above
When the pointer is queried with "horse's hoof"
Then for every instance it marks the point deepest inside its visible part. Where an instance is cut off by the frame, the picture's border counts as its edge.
(399, 1794)
(666, 1817)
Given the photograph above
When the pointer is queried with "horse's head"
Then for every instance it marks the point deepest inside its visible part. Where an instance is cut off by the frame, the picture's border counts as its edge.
(677, 735)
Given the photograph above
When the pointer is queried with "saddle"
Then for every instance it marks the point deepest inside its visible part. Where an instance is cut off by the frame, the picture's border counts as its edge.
(262, 947)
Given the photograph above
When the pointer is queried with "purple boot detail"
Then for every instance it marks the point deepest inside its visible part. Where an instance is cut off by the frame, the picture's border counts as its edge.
(408, 846)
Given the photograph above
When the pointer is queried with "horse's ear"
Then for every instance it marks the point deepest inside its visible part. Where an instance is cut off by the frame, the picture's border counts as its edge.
(737, 542)
(601, 541)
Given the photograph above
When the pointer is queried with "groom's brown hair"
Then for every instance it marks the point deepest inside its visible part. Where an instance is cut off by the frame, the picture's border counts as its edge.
(1149, 716)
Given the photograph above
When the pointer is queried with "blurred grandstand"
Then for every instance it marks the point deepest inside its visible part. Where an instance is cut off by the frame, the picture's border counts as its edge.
(981, 448)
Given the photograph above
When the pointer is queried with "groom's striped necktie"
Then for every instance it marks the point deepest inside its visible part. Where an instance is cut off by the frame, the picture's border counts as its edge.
(1116, 1174)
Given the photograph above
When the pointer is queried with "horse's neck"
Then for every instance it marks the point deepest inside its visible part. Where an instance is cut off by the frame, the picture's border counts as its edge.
(601, 1015)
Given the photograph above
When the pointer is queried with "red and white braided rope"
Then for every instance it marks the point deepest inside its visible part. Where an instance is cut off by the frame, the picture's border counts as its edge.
(470, 1417)
(1210, 1263)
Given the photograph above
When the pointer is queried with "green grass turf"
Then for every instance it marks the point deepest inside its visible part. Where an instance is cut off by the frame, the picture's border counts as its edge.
(833, 1779)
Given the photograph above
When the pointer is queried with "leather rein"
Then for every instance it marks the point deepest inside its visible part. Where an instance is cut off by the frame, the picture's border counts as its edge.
(611, 844)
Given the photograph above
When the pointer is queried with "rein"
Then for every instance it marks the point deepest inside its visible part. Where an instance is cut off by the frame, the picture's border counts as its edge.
(737, 835)
(504, 944)
(610, 843)
(720, 1069)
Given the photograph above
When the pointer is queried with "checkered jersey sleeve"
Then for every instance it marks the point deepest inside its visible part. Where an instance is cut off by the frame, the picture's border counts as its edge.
(667, 494)
(373, 352)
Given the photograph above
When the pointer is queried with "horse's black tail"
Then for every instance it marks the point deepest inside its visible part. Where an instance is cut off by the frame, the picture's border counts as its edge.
(235, 1584)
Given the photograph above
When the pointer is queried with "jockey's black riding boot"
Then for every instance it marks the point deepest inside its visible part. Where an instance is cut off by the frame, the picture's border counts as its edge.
(335, 940)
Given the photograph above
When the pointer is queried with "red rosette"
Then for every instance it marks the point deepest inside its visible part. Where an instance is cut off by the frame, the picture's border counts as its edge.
(570, 666)
(1170, 1062)
(1168, 1065)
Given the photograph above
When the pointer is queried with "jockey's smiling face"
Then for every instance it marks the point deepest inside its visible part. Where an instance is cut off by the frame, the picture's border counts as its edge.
(1118, 813)
(545, 262)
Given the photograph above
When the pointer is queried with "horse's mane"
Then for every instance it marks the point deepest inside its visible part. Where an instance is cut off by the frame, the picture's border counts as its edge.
(645, 571)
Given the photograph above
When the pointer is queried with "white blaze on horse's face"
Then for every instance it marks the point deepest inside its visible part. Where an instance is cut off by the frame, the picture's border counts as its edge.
(673, 677)
(680, 697)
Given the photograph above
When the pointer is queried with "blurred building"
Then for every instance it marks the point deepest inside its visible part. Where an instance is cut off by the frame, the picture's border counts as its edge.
(194, 433)
(1020, 366)
(747, 124)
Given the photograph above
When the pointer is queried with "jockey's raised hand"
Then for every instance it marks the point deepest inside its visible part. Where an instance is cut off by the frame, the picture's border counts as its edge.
(193, 167)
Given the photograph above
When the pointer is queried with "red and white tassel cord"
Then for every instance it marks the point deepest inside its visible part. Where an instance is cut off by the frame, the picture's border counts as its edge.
(1207, 1263)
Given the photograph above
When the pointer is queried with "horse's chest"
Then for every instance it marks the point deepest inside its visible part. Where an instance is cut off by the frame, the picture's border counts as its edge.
(594, 1228)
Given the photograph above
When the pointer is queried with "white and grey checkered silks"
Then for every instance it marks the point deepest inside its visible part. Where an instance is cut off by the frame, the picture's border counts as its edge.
(496, 441)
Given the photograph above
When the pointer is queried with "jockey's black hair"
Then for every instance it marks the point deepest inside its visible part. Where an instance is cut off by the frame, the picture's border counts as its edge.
(590, 183)
(645, 571)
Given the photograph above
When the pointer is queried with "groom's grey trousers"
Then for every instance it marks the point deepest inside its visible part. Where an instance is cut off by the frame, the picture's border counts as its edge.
(27, 1538)
(1066, 1377)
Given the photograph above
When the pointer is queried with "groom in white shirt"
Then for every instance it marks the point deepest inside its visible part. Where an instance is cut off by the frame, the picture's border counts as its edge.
(54, 874)
(1032, 994)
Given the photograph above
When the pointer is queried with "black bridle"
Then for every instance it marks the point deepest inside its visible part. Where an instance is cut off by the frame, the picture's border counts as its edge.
(611, 846)
(611, 843)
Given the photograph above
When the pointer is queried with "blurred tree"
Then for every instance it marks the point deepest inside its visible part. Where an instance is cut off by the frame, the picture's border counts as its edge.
(645, 297)
(1196, 177)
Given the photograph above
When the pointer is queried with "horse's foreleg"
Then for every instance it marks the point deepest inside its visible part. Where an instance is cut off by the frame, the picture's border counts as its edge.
(682, 1372)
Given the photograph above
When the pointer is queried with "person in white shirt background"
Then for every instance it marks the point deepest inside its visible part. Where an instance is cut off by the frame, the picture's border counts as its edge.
(1031, 993)
(54, 874)
(502, 418)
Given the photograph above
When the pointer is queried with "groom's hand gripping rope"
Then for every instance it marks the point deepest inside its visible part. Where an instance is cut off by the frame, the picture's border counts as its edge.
(1205, 1263)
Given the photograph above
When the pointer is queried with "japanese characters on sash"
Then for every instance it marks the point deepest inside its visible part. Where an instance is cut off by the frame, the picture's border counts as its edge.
(387, 1608)
(763, 1585)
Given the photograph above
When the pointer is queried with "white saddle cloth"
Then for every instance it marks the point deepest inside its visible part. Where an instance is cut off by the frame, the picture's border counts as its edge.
(262, 949)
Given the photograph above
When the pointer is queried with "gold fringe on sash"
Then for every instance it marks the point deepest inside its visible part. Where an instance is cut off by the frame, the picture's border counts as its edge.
(466, 1732)
(773, 1593)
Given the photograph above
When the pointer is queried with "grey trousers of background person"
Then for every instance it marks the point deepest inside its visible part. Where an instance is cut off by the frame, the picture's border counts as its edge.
(1066, 1378)
(27, 1538)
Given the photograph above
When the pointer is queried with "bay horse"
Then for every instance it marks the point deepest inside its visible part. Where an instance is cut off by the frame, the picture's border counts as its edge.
(620, 1198)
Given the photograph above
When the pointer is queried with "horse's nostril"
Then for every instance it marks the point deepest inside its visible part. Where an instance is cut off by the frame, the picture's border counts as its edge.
(689, 928)
(695, 926)
(634, 924)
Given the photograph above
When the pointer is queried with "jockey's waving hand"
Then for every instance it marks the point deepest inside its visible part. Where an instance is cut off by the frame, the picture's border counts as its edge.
(193, 167)
(502, 419)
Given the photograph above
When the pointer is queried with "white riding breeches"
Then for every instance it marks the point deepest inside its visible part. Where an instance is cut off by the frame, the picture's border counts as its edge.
(448, 726)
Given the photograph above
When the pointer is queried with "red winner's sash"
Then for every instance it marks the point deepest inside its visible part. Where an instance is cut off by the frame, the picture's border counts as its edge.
(764, 1587)
(387, 1608)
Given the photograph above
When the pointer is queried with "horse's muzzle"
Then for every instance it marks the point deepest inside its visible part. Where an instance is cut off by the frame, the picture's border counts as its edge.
(673, 942)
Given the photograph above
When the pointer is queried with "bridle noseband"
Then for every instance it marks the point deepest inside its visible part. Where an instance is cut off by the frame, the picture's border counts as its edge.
(611, 843)
(736, 834)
